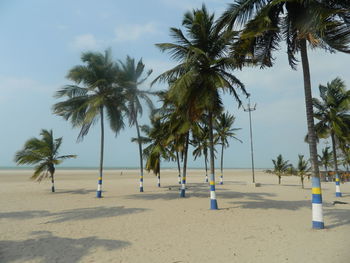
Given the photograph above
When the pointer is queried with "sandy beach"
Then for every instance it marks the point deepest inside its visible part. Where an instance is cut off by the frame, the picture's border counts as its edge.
(271, 223)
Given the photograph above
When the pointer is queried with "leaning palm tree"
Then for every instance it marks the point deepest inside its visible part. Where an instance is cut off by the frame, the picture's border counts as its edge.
(93, 95)
(44, 153)
(319, 23)
(130, 78)
(332, 112)
(326, 159)
(280, 167)
(224, 130)
(203, 71)
(303, 168)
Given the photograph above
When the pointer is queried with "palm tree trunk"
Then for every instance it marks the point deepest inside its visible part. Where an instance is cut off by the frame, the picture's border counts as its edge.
(302, 181)
(178, 166)
(317, 212)
(99, 185)
(52, 172)
(206, 166)
(337, 180)
(183, 185)
(140, 153)
(213, 202)
(279, 179)
(158, 168)
(222, 164)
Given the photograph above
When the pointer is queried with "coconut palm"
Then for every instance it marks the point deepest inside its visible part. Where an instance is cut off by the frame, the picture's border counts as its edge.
(280, 167)
(326, 159)
(157, 149)
(93, 95)
(303, 168)
(200, 142)
(130, 78)
(332, 113)
(224, 131)
(203, 71)
(43, 152)
(321, 24)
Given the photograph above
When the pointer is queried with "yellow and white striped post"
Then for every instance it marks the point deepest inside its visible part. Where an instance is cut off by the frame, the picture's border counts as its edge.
(337, 186)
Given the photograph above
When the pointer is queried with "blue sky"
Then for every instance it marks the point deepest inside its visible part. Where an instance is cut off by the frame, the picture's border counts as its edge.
(42, 39)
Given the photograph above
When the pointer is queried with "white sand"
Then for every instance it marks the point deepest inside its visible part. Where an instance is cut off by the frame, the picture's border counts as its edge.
(271, 223)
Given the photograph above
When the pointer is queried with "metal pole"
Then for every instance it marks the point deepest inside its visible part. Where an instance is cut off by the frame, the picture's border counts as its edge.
(249, 109)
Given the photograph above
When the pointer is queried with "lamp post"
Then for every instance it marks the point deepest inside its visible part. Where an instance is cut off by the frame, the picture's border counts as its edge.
(250, 109)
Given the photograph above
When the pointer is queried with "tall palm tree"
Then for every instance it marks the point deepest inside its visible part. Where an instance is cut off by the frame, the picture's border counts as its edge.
(332, 111)
(130, 77)
(321, 23)
(203, 71)
(280, 167)
(326, 159)
(45, 153)
(303, 168)
(98, 95)
(224, 130)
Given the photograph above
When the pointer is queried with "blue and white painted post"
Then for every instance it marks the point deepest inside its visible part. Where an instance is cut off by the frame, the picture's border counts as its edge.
(158, 179)
(206, 178)
(337, 185)
(183, 187)
(99, 187)
(141, 183)
(317, 212)
(213, 202)
(221, 179)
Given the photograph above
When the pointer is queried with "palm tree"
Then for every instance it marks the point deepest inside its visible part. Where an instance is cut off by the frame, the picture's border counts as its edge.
(326, 160)
(332, 111)
(280, 167)
(157, 148)
(303, 168)
(86, 104)
(200, 142)
(224, 130)
(203, 70)
(323, 24)
(130, 78)
(45, 153)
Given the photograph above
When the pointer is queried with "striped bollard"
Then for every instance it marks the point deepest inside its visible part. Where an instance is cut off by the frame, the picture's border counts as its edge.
(158, 177)
(213, 202)
(337, 186)
(179, 178)
(317, 213)
(206, 178)
(221, 179)
(99, 187)
(183, 187)
(141, 183)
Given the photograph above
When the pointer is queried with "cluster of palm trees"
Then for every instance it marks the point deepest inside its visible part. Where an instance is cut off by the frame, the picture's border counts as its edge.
(207, 52)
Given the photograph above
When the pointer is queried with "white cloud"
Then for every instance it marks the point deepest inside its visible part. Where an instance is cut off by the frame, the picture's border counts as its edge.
(84, 42)
(134, 32)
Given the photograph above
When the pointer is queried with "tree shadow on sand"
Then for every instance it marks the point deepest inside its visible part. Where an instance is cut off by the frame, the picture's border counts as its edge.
(198, 191)
(274, 204)
(73, 214)
(77, 191)
(338, 217)
(48, 248)
(92, 213)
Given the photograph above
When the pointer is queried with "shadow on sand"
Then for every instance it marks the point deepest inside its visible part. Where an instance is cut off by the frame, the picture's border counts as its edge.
(77, 191)
(48, 248)
(73, 214)
(198, 191)
(338, 217)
